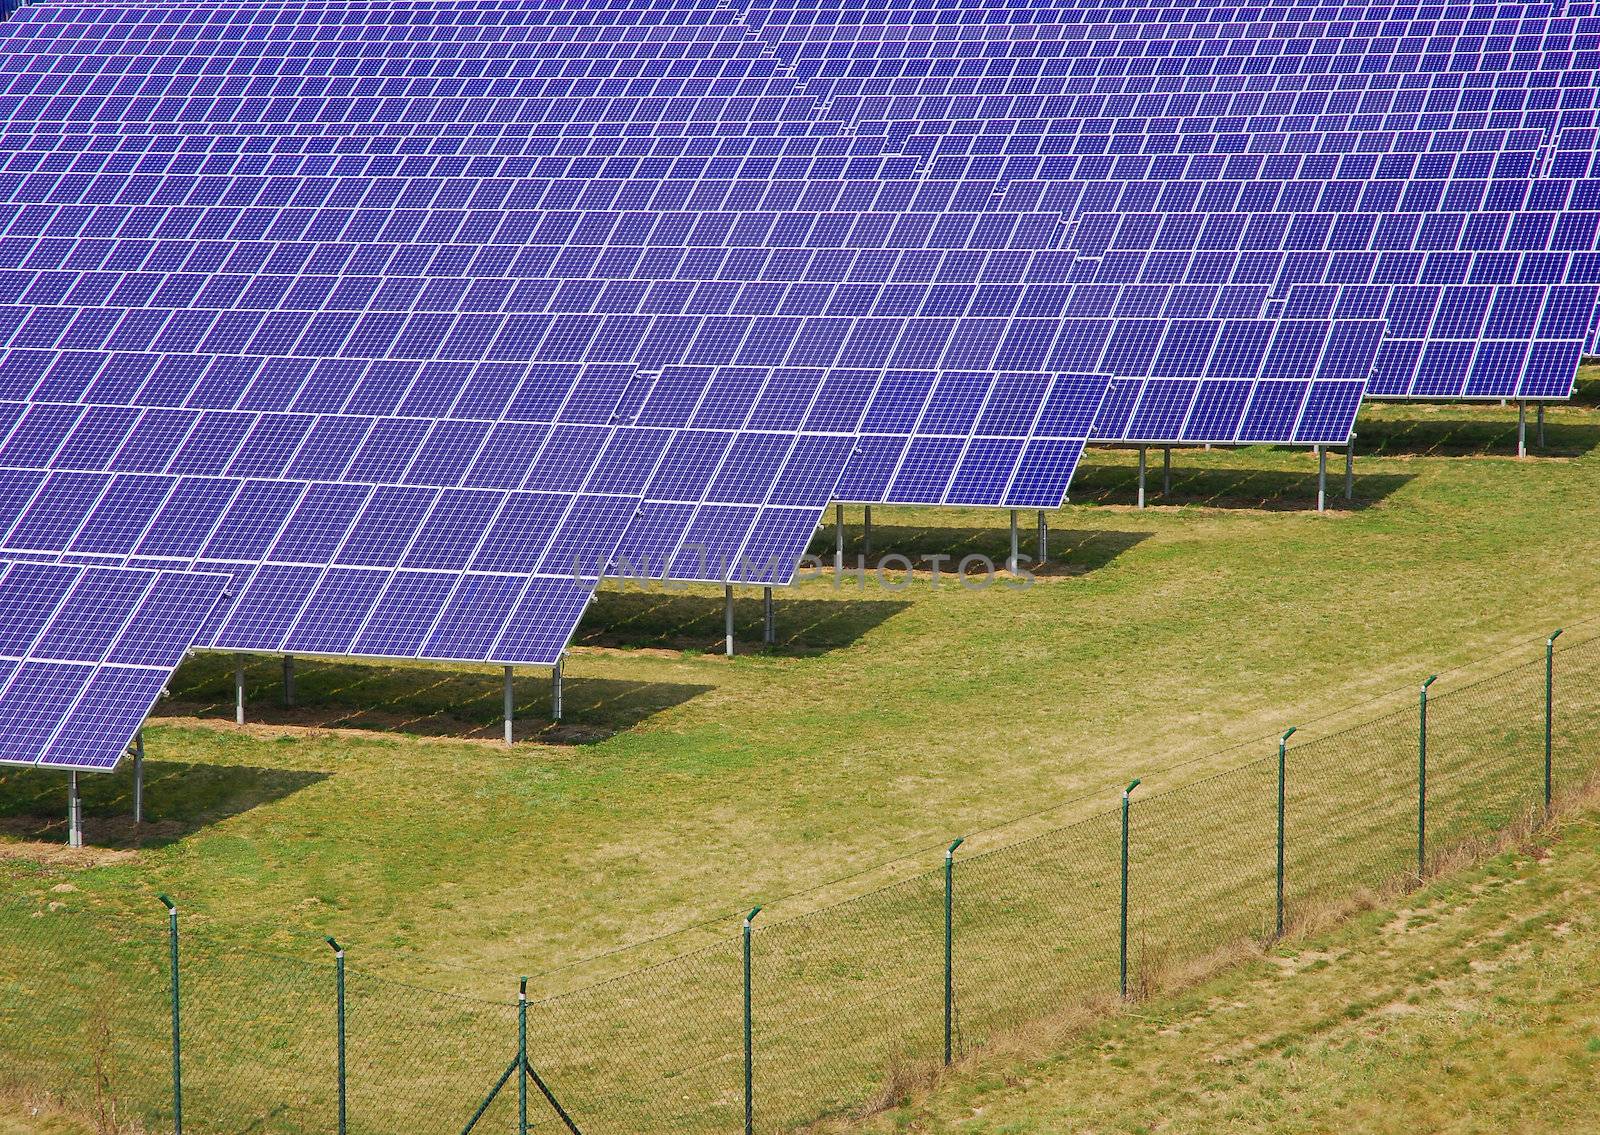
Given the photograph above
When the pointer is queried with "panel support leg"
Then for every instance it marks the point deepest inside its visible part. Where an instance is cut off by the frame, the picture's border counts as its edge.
(238, 689)
(1539, 410)
(1011, 563)
(509, 709)
(1141, 476)
(1322, 478)
(288, 681)
(866, 532)
(1044, 537)
(727, 619)
(838, 539)
(1522, 429)
(138, 777)
(769, 622)
(74, 812)
(1350, 469)
(1166, 472)
(555, 691)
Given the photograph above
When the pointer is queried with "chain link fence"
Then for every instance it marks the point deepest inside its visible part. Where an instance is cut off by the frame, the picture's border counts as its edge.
(830, 1014)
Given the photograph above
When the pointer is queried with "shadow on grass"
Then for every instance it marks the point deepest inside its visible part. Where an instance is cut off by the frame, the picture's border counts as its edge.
(179, 799)
(1461, 435)
(694, 623)
(1277, 489)
(422, 700)
(1072, 551)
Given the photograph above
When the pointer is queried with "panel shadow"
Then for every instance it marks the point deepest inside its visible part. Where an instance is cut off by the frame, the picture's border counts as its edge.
(180, 798)
(422, 699)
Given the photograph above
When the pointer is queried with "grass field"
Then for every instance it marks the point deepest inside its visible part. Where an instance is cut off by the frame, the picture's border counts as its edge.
(1473, 1006)
(685, 786)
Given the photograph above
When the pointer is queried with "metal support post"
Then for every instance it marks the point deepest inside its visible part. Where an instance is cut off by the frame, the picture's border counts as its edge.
(1322, 478)
(1350, 469)
(238, 689)
(1522, 429)
(522, 1056)
(769, 622)
(866, 530)
(727, 619)
(138, 777)
(1549, 712)
(288, 681)
(177, 1032)
(1044, 538)
(749, 1035)
(338, 981)
(1422, 777)
(838, 539)
(510, 707)
(1283, 769)
(1166, 471)
(1539, 410)
(1011, 563)
(1141, 476)
(949, 949)
(555, 691)
(74, 812)
(1126, 792)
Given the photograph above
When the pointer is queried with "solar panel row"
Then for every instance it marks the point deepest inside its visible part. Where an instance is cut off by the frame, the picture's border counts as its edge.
(415, 328)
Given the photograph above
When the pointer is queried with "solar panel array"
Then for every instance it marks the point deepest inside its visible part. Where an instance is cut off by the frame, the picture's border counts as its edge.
(413, 320)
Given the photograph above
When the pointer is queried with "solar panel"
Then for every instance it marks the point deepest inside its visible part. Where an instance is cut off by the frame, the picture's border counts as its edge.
(85, 652)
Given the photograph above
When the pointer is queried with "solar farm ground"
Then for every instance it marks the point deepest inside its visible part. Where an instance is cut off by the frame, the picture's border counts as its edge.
(686, 786)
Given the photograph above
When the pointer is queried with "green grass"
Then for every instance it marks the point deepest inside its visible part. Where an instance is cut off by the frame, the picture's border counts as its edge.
(686, 786)
(1472, 1007)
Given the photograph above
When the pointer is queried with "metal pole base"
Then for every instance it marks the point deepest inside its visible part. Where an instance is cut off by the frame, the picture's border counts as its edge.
(510, 708)
(1044, 537)
(238, 689)
(1011, 563)
(769, 621)
(838, 539)
(727, 619)
(1522, 429)
(1350, 469)
(555, 691)
(1141, 476)
(288, 681)
(1322, 479)
(1540, 411)
(74, 812)
(138, 777)
(866, 531)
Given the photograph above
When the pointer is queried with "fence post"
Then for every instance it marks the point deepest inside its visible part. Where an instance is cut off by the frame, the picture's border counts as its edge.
(177, 1059)
(949, 947)
(1549, 711)
(522, 1056)
(338, 984)
(749, 1032)
(1283, 768)
(1124, 923)
(1422, 777)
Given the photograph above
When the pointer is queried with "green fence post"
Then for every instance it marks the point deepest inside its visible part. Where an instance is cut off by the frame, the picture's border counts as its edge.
(749, 1035)
(1549, 711)
(177, 1058)
(1422, 777)
(338, 984)
(1124, 936)
(522, 1056)
(949, 947)
(1283, 768)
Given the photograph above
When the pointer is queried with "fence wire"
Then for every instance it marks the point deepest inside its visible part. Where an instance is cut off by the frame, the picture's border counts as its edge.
(847, 1005)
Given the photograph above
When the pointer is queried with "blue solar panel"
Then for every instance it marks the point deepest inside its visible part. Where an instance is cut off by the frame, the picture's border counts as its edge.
(84, 653)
